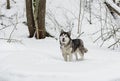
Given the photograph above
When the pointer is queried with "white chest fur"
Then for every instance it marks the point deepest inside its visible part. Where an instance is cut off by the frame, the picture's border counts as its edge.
(66, 50)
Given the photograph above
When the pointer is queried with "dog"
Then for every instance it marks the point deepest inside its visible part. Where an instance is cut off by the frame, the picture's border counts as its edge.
(70, 46)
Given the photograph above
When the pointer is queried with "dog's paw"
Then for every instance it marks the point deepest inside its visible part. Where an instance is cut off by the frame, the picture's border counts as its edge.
(85, 50)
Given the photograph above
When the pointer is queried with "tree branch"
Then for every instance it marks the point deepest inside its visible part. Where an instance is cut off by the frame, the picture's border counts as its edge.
(113, 7)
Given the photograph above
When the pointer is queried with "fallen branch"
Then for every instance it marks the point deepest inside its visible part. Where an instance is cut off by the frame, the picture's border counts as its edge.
(112, 7)
(12, 40)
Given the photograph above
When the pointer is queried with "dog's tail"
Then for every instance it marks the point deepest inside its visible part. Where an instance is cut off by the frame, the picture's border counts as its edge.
(85, 50)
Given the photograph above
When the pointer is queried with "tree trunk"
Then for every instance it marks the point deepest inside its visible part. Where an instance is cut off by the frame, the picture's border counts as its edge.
(80, 7)
(8, 4)
(118, 4)
(114, 1)
(41, 19)
(30, 18)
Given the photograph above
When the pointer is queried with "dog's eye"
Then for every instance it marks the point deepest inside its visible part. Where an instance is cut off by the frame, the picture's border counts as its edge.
(65, 35)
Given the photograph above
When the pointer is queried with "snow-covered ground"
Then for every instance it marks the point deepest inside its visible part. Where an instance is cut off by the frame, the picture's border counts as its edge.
(41, 60)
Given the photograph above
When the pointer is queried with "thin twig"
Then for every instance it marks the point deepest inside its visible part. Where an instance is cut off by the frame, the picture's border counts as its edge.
(15, 25)
(12, 40)
(80, 34)
(114, 43)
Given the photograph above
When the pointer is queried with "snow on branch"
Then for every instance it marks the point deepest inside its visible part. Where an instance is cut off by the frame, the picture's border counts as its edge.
(113, 6)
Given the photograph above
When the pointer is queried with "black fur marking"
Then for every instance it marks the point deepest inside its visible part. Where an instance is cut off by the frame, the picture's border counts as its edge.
(65, 33)
(75, 44)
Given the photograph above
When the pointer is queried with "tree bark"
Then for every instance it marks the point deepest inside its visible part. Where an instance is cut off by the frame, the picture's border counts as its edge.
(41, 19)
(114, 1)
(30, 18)
(8, 4)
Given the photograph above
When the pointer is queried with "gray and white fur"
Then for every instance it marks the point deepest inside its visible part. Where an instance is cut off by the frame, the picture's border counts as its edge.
(70, 46)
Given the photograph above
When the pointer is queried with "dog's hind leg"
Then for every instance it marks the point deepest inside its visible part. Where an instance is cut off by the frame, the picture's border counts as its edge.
(76, 56)
(82, 55)
(85, 50)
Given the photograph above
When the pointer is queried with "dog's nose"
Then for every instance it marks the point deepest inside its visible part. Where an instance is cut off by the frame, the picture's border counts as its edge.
(63, 39)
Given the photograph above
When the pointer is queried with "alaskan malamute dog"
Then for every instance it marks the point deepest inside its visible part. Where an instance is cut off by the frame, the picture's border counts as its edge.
(70, 46)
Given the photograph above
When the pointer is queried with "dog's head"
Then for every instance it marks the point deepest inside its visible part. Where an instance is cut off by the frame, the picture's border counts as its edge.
(64, 37)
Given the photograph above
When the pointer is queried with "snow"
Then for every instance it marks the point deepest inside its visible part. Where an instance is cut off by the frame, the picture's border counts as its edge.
(41, 60)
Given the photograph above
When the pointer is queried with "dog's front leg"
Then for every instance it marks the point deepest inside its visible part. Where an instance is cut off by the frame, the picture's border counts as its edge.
(70, 57)
(65, 57)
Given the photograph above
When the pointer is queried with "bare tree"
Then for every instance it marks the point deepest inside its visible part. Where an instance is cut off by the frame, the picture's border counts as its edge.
(40, 11)
(8, 4)
(90, 11)
(36, 20)
(114, 1)
(79, 16)
(30, 18)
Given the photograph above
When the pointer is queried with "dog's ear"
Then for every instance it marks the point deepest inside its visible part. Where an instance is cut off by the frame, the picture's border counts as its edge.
(69, 32)
(62, 30)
